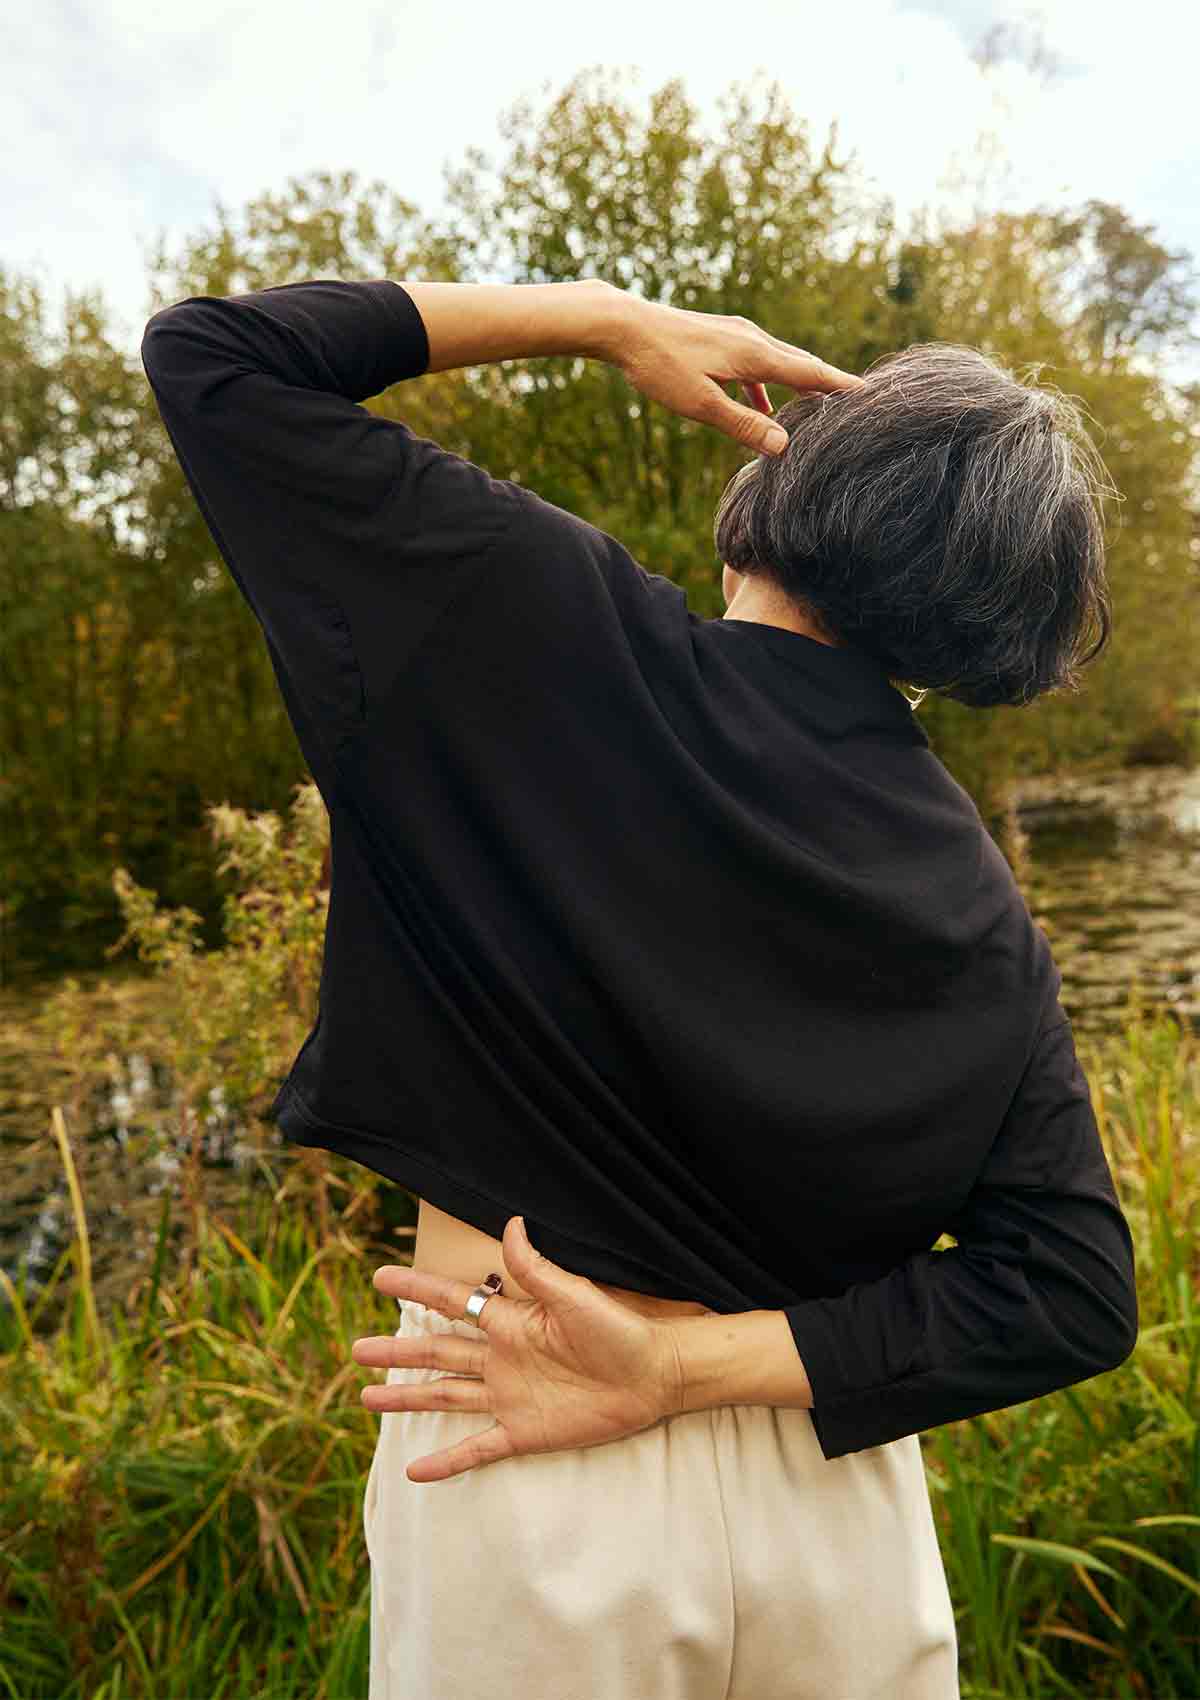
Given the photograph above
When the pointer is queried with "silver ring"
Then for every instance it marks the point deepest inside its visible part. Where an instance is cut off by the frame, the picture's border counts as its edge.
(480, 1296)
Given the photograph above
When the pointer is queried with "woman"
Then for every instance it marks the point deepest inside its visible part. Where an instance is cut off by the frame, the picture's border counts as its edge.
(668, 947)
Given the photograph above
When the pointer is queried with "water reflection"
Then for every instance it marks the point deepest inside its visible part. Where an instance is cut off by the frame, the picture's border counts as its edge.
(1113, 875)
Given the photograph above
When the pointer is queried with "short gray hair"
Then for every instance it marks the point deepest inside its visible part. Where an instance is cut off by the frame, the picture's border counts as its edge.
(945, 517)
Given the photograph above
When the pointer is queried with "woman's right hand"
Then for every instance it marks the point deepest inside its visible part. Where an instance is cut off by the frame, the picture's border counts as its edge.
(569, 1367)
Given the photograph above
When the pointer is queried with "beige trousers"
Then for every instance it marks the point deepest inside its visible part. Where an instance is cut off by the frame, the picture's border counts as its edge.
(715, 1556)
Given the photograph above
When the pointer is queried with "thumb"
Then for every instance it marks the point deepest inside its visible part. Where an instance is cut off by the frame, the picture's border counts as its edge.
(537, 1274)
(747, 426)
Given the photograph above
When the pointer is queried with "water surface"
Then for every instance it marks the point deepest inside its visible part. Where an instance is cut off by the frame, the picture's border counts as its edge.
(1113, 875)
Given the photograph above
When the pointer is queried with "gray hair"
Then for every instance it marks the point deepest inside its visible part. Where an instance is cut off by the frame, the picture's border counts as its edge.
(944, 517)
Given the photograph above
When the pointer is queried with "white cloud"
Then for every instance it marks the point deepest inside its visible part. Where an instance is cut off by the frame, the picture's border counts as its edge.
(123, 117)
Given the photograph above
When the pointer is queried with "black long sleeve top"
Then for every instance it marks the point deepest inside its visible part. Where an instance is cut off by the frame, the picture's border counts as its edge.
(672, 934)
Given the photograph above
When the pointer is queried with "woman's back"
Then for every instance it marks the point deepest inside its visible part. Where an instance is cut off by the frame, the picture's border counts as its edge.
(672, 935)
(719, 969)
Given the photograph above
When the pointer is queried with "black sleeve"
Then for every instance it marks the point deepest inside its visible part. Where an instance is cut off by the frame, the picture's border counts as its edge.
(1038, 1292)
(347, 534)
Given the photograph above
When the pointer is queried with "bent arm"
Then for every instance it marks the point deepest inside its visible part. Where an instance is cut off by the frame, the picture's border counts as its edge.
(1038, 1294)
(348, 535)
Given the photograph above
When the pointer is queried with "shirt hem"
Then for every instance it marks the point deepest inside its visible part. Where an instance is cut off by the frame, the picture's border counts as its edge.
(300, 1125)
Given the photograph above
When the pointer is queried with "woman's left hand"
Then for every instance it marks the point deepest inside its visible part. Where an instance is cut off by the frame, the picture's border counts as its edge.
(681, 358)
(570, 1367)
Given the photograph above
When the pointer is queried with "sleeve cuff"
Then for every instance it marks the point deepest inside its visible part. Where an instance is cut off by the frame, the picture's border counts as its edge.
(410, 339)
(848, 1419)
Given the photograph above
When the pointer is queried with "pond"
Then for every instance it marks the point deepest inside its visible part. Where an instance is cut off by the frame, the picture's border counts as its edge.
(1113, 875)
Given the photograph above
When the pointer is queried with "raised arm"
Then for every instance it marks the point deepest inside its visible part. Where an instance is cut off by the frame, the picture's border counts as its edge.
(673, 355)
(349, 535)
(1037, 1294)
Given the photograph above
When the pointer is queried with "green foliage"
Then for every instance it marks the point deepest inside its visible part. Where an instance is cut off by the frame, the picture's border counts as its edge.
(182, 1510)
(170, 1068)
(182, 1420)
(127, 623)
(222, 1014)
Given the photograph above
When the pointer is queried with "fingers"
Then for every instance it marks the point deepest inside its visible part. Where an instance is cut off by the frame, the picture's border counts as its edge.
(800, 370)
(751, 429)
(756, 395)
(447, 1393)
(547, 1281)
(438, 1292)
(779, 362)
(487, 1447)
(450, 1352)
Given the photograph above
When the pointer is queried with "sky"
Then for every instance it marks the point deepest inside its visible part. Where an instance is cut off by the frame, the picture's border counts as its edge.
(125, 119)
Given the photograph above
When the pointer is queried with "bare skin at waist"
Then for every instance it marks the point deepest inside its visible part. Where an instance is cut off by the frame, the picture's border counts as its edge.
(445, 1245)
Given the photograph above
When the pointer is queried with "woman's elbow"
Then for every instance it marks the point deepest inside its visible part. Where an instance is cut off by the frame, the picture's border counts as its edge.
(1124, 1305)
(1110, 1331)
(1088, 1331)
(1100, 1313)
(1123, 1336)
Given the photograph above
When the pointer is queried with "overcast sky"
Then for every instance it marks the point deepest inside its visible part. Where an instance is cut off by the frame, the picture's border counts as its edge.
(122, 118)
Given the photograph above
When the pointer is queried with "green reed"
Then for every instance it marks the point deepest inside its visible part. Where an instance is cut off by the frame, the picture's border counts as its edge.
(184, 1474)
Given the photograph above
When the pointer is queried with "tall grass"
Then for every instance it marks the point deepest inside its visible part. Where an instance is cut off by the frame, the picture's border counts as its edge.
(1070, 1526)
(183, 1474)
